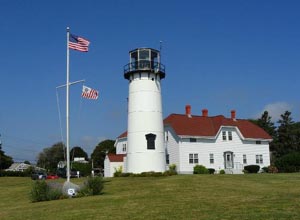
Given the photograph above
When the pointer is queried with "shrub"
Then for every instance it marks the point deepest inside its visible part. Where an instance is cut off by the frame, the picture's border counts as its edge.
(150, 174)
(14, 173)
(252, 168)
(272, 169)
(172, 167)
(211, 170)
(200, 169)
(289, 163)
(92, 186)
(118, 171)
(171, 171)
(146, 174)
(41, 191)
(222, 172)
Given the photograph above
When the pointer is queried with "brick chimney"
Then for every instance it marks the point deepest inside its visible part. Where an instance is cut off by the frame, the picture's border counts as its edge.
(188, 111)
(233, 115)
(204, 112)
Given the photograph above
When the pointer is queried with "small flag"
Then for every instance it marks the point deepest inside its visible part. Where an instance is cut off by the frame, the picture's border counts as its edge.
(78, 43)
(89, 93)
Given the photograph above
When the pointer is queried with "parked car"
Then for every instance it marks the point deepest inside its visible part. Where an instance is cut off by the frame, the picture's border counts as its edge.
(52, 177)
(39, 175)
(61, 172)
(74, 173)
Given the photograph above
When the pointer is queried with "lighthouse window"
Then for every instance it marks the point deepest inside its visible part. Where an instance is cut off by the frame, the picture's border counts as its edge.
(144, 54)
(150, 141)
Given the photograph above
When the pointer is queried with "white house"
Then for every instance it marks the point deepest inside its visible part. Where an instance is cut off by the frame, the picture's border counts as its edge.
(112, 163)
(18, 167)
(213, 141)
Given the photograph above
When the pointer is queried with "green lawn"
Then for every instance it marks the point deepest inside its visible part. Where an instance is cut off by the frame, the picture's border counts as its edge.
(257, 196)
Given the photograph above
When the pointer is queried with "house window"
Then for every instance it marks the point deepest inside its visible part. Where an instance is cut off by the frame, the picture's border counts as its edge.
(124, 148)
(224, 135)
(259, 159)
(244, 159)
(193, 158)
(150, 141)
(211, 158)
(229, 135)
(193, 140)
(258, 142)
(167, 159)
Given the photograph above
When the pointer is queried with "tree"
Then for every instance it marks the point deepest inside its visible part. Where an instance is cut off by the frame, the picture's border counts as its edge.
(5, 160)
(100, 152)
(78, 152)
(266, 123)
(50, 156)
(288, 138)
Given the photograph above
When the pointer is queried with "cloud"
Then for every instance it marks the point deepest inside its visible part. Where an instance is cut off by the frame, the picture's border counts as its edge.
(275, 110)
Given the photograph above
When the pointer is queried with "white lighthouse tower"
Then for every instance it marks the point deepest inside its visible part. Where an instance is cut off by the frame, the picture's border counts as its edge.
(145, 134)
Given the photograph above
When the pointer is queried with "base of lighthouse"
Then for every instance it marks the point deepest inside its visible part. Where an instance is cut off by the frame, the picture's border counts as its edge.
(145, 162)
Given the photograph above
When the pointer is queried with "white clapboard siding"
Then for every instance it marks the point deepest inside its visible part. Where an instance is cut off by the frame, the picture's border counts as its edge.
(171, 143)
(110, 167)
(119, 145)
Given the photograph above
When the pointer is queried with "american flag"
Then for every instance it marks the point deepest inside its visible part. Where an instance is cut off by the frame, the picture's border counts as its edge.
(78, 43)
(89, 93)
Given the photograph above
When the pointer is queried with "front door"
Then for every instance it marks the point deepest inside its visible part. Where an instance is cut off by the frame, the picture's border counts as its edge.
(228, 160)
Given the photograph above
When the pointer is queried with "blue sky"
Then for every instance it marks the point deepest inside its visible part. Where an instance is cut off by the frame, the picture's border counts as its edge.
(219, 55)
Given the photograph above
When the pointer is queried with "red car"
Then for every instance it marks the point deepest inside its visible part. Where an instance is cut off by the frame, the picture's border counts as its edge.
(52, 177)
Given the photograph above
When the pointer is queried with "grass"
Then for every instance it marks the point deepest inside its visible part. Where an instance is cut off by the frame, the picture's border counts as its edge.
(257, 196)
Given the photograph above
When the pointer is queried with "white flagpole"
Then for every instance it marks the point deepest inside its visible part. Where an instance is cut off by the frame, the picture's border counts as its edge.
(67, 108)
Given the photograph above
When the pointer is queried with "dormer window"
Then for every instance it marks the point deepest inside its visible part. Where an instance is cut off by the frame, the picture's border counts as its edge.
(229, 135)
(224, 136)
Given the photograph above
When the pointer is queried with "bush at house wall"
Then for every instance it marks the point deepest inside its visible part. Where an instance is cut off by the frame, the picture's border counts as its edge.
(211, 170)
(252, 168)
(200, 169)
(222, 172)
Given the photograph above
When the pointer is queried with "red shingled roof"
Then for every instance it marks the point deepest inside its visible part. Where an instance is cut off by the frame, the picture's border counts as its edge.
(209, 126)
(116, 157)
(124, 134)
(204, 126)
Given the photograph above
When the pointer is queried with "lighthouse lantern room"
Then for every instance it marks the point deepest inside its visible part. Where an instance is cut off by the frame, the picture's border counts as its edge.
(145, 135)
